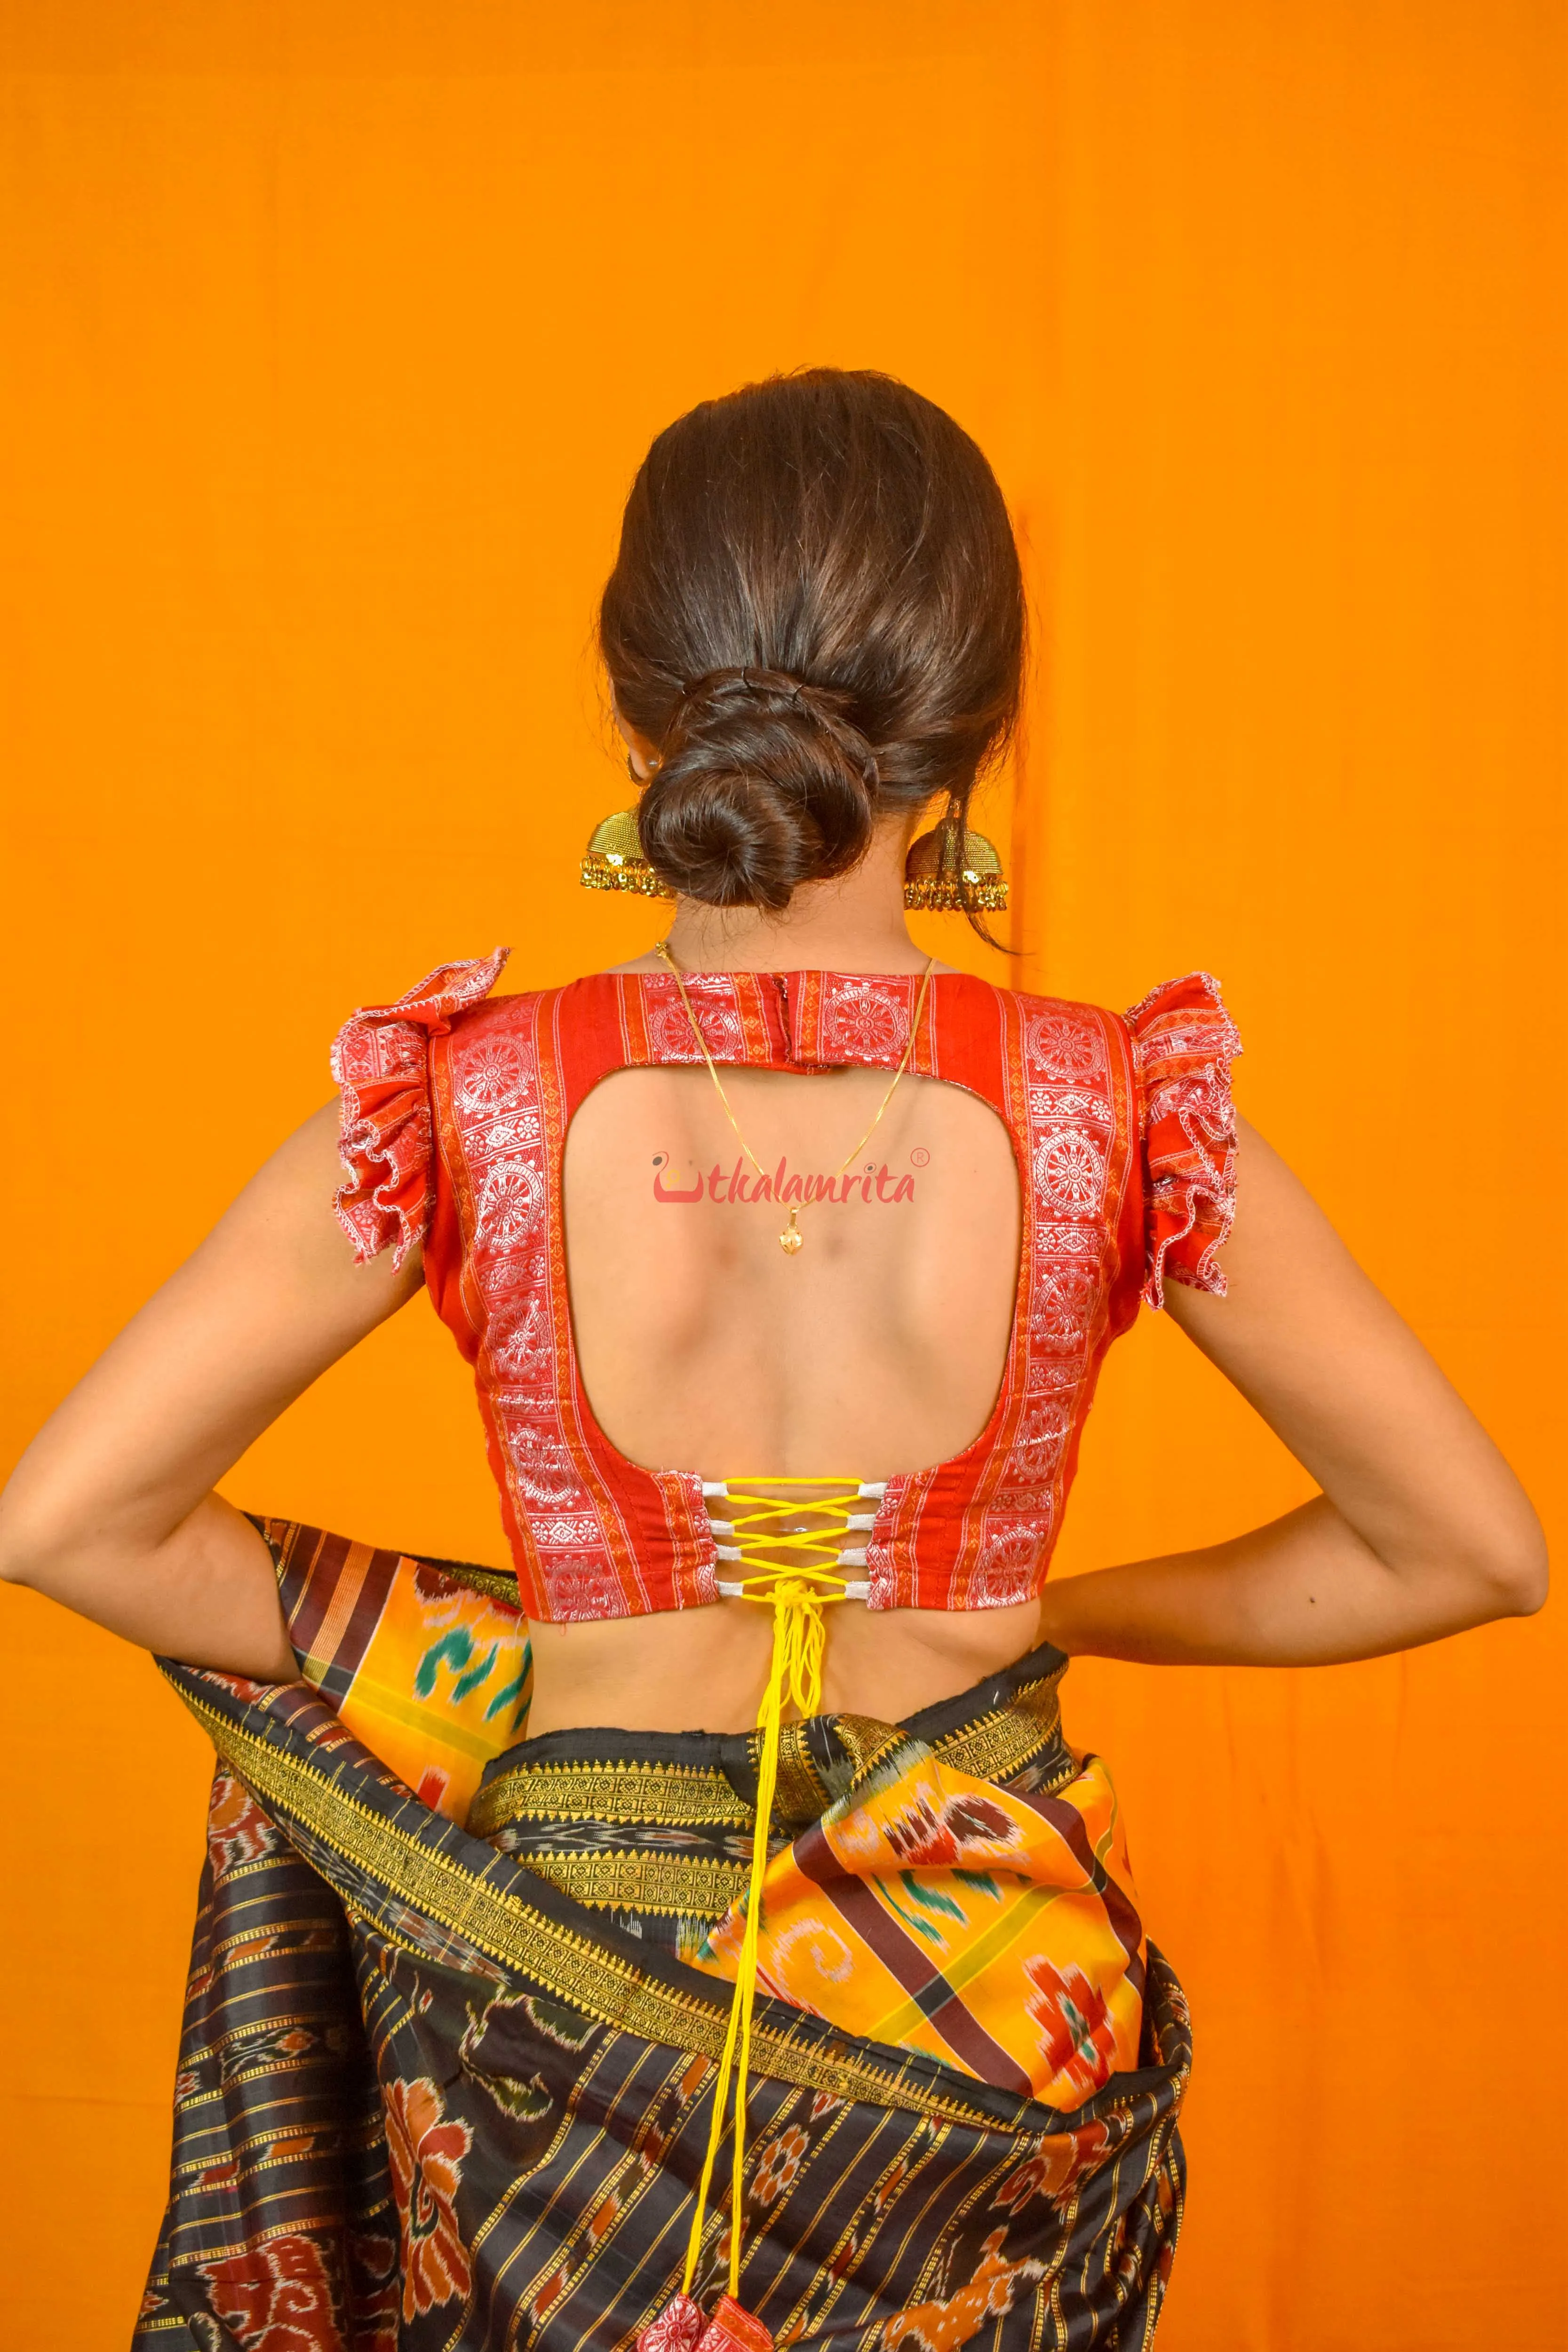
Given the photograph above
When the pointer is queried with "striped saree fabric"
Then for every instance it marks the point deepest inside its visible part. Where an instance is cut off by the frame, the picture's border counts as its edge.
(449, 2048)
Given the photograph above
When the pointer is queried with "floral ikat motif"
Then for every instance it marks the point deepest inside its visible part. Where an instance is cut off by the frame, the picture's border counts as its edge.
(991, 1926)
(425, 2148)
(429, 2100)
(456, 1107)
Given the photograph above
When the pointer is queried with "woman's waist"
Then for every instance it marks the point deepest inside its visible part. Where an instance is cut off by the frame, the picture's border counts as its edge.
(700, 1670)
(1005, 1723)
(954, 1883)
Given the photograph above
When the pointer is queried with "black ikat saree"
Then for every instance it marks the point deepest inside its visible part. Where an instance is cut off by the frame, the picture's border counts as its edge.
(429, 2100)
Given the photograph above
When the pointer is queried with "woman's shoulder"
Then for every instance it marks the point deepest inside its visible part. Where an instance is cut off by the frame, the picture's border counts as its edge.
(1177, 1020)
(1169, 1057)
(1175, 1023)
(433, 1003)
(459, 996)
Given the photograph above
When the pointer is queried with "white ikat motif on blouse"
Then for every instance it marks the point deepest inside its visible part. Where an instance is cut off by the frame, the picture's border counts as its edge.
(1069, 1169)
(1072, 1130)
(1065, 1044)
(511, 1204)
(490, 1074)
(389, 1049)
(499, 1117)
(712, 999)
(861, 1023)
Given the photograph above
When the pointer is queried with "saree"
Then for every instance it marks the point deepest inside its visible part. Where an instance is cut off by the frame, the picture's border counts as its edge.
(458, 2000)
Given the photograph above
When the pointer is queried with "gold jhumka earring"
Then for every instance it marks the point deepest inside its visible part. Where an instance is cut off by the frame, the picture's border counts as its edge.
(943, 874)
(613, 859)
(956, 873)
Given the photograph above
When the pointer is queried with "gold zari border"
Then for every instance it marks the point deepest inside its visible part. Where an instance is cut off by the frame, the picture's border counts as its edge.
(999, 1745)
(799, 1794)
(694, 1886)
(600, 1983)
(492, 1584)
(693, 1795)
(664, 1796)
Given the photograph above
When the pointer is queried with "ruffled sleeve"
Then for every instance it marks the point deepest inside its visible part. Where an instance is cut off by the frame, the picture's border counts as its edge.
(1183, 1042)
(381, 1060)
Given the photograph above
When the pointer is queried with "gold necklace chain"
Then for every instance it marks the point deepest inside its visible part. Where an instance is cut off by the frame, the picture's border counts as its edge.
(791, 1239)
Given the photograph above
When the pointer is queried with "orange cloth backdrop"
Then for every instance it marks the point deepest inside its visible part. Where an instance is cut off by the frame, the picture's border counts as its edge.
(333, 337)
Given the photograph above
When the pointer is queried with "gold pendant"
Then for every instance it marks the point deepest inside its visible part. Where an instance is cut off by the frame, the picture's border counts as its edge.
(792, 1237)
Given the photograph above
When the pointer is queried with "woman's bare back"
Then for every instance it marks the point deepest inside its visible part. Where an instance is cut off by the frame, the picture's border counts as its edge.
(878, 1347)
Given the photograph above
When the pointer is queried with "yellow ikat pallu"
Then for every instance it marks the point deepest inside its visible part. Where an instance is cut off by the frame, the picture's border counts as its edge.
(993, 1929)
(990, 1924)
(426, 1663)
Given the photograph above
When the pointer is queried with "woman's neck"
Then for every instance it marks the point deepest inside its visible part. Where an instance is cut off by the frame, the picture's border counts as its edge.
(854, 923)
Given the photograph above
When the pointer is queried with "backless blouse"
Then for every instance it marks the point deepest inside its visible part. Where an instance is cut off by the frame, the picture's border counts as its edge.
(455, 1105)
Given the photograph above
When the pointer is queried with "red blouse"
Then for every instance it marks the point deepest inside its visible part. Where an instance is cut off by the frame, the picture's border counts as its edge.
(455, 1111)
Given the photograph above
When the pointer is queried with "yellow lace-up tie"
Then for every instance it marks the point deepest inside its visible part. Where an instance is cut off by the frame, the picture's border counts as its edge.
(797, 1592)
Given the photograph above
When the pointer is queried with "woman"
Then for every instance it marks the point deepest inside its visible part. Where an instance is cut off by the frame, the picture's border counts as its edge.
(492, 2037)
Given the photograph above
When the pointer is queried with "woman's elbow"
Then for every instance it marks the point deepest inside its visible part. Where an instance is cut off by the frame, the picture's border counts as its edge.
(45, 1534)
(1528, 1583)
(1514, 1578)
(30, 1552)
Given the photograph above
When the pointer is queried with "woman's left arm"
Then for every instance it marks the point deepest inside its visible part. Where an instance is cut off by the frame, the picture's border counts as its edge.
(1421, 1529)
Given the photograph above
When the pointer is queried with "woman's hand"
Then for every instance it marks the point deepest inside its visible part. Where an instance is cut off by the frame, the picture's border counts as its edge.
(110, 1509)
(1421, 1529)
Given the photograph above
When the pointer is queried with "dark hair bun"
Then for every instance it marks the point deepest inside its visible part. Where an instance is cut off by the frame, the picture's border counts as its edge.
(764, 783)
(816, 620)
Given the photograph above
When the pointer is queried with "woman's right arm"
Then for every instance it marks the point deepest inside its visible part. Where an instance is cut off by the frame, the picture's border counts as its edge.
(110, 1510)
(1421, 1529)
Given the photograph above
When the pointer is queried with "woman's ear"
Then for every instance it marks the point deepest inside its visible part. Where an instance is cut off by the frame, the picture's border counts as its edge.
(644, 757)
